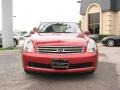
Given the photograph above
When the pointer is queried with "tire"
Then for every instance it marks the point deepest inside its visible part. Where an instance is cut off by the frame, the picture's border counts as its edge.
(14, 43)
(111, 43)
(91, 72)
(28, 72)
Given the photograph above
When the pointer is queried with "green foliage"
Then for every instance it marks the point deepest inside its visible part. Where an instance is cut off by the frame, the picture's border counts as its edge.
(3, 49)
(23, 32)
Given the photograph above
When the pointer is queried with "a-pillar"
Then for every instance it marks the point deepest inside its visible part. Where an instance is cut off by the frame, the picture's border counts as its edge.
(7, 23)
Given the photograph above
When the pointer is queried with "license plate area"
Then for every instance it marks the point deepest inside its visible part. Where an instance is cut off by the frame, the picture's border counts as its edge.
(60, 64)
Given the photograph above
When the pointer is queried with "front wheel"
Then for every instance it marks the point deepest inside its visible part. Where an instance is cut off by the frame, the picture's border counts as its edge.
(26, 71)
(91, 72)
(111, 43)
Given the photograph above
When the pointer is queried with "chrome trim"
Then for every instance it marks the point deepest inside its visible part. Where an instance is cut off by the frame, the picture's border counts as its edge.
(60, 49)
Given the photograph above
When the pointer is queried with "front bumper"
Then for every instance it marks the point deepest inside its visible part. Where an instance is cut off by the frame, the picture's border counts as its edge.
(74, 60)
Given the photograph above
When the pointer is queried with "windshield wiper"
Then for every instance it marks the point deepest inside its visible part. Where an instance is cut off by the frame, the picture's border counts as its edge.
(55, 32)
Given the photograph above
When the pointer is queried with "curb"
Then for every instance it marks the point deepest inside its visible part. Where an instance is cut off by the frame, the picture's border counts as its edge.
(99, 45)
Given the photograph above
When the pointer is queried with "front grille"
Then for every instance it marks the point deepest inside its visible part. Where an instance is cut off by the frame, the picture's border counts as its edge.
(60, 49)
(81, 65)
(71, 66)
(39, 65)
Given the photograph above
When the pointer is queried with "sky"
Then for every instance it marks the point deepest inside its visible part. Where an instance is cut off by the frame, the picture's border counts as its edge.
(29, 13)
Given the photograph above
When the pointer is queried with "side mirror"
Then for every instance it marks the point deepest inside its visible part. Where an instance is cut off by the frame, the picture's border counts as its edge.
(86, 32)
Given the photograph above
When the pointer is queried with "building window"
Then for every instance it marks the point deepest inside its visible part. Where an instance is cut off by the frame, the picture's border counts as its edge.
(94, 23)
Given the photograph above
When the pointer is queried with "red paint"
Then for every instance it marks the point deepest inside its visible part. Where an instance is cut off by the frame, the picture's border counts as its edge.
(60, 39)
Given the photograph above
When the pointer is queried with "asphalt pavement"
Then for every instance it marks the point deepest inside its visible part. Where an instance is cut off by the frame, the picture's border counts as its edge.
(107, 76)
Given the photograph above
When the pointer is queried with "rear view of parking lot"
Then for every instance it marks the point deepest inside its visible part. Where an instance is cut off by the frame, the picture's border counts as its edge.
(107, 76)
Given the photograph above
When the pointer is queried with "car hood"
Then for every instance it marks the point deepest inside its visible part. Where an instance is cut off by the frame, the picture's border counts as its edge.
(59, 39)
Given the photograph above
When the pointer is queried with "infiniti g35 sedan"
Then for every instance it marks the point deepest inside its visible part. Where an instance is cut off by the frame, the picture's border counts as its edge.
(59, 48)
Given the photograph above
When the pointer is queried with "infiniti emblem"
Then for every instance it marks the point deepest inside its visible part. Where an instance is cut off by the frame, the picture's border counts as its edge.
(60, 50)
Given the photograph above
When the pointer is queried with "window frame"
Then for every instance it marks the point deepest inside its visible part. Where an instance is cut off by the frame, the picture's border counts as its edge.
(95, 23)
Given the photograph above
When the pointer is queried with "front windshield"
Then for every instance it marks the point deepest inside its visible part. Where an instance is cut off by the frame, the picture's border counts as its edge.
(59, 28)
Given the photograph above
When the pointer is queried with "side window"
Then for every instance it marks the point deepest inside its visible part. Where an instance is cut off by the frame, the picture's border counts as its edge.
(49, 29)
(69, 28)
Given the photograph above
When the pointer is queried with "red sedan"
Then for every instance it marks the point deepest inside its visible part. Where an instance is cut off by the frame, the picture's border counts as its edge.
(59, 48)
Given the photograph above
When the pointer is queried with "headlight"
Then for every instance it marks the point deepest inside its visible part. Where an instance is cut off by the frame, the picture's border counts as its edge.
(91, 47)
(28, 46)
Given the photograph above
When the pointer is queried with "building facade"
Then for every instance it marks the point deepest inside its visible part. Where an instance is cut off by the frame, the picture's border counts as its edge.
(100, 17)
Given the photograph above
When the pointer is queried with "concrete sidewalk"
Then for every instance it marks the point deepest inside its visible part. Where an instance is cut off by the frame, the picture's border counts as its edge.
(10, 52)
